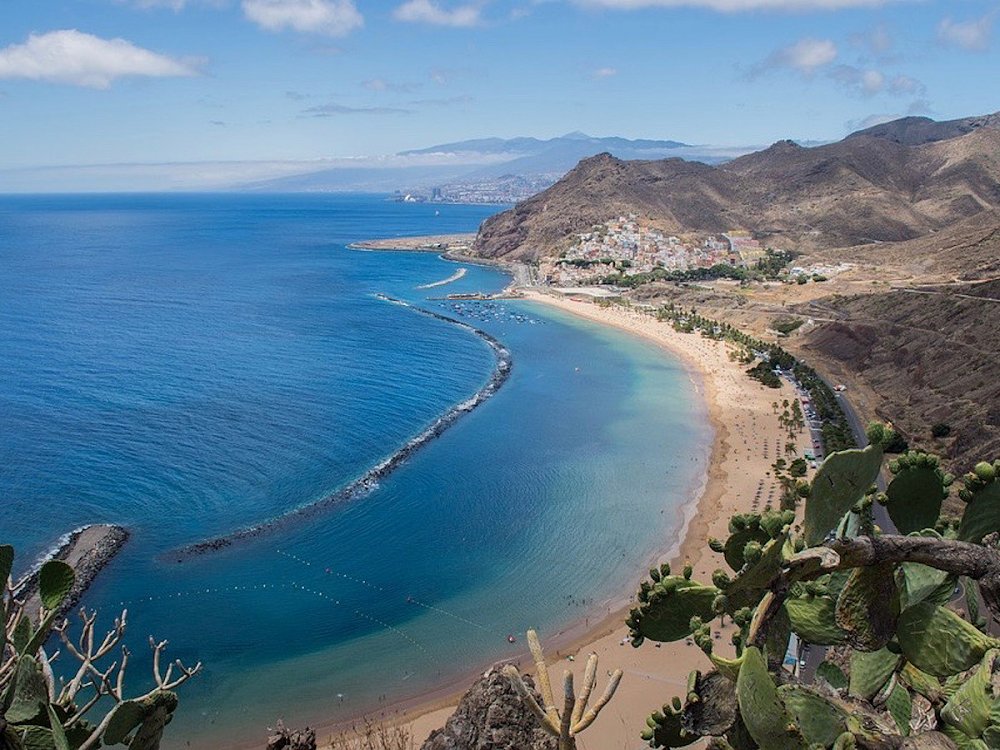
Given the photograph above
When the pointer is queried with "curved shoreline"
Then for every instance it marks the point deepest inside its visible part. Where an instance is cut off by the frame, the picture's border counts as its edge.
(369, 480)
(737, 408)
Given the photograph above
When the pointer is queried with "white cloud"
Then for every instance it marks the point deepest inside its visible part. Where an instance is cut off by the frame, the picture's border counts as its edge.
(736, 6)
(382, 85)
(869, 82)
(73, 57)
(605, 72)
(428, 11)
(808, 54)
(329, 17)
(805, 56)
(971, 35)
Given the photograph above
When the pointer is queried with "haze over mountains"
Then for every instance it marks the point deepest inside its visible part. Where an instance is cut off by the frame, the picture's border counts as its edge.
(871, 187)
(532, 163)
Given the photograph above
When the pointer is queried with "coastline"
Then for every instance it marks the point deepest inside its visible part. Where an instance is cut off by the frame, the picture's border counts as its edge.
(434, 243)
(88, 550)
(747, 438)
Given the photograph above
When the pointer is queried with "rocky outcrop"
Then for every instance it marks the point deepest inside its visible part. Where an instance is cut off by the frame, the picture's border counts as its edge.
(491, 716)
(283, 738)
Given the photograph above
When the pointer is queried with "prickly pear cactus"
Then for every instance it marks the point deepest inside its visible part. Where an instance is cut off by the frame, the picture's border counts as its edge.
(868, 607)
(667, 603)
(871, 671)
(913, 672)
(764, 713)
(982, 497)
(914, 496)
(939, 642)
(969, 708)
(813, 619)
(817, 717)
(839, 484)
(35, 714)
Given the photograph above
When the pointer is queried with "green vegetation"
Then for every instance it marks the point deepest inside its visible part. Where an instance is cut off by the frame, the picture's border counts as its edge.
(904, 669)
(941, 430)
(836, 431)
(38, 714)
(718, 271)
(768, 267)
(786, 325)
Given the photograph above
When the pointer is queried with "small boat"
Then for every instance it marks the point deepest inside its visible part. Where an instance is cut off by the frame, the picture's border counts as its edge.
(511, 638)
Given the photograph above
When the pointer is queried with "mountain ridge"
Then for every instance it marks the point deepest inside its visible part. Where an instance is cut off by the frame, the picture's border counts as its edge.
(863, 189)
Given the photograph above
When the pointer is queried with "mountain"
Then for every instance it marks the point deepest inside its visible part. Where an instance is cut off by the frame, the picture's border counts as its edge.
(861, 190)
(528, 146)
(915, 131)
(487, 165)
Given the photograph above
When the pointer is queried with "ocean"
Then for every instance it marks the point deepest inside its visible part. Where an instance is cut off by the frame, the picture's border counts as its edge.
(193, 365)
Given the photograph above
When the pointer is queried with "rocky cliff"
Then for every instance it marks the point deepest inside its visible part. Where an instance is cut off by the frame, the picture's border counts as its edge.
(491, 716)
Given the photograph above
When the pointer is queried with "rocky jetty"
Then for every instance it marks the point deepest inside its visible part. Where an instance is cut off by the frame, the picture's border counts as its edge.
(370, 479)
(491, 716)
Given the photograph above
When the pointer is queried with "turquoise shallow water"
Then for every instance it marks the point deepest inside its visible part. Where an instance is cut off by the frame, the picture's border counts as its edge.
(191, 365)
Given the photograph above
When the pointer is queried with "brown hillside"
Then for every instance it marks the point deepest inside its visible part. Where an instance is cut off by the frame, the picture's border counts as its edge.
(966, 251)
(914, 131)
(857, 191)
(930, 356)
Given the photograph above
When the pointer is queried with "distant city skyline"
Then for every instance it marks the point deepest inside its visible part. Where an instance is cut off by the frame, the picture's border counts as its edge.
(253, 88)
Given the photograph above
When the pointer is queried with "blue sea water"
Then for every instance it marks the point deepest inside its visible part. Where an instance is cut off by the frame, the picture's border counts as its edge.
(192, 365)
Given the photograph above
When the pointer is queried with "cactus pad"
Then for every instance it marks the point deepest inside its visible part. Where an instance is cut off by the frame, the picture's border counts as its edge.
(841, 481)
(55, 580)
(820, 721)
(868, 607)
(914, 496)
(982, 514)
(939, 642)
(669, 605)
(968, 710)
(920, 583)
(767, 720)
(870, 671)
(813, 620)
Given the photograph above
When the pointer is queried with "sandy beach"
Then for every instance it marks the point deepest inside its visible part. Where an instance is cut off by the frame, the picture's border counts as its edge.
(748, 439)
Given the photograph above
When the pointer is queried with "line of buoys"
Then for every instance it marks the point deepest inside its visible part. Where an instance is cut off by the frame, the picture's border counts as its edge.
(331, 571)
(409, 599)
(362, 615)
(203, 592)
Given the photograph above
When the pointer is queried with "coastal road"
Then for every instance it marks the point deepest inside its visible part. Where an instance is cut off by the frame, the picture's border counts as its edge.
(812, 656)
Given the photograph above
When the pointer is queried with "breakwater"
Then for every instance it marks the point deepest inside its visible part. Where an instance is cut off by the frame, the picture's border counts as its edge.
(454, 277)
(369, 480)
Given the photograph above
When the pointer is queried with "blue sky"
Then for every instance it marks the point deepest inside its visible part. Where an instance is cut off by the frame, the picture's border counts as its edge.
(126, 81)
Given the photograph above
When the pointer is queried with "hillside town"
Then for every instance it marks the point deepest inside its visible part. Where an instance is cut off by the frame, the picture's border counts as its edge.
(628, 246)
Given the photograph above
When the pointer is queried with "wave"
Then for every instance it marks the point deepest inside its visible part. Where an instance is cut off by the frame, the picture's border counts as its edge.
(368, 481)
(454, 277)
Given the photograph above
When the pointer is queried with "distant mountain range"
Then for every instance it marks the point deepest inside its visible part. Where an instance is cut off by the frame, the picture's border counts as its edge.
(488, 169)
(897, 181)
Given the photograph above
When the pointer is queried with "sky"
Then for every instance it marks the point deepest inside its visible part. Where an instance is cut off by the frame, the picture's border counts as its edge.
(258, 86)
